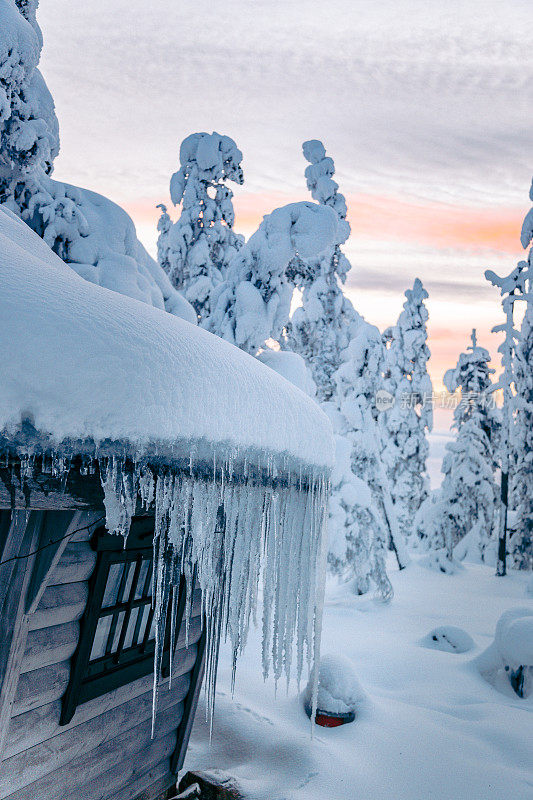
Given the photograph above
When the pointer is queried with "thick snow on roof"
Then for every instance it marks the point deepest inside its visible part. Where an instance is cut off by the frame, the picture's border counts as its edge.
(84, 362)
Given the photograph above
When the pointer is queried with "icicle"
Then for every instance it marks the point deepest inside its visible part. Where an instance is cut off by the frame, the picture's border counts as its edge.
(214, 532)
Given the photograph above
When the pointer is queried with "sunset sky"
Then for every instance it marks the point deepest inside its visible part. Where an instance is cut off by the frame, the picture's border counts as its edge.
(424, 106)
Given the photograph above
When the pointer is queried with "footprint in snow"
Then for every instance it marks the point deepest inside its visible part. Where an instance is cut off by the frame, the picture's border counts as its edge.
(449, 639)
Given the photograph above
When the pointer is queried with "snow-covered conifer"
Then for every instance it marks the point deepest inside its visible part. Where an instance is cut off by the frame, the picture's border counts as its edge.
(89, 232)
(406, 424)
(521, 445)
(512, 289)
(252, 304)
(319, 329)
(521, 544)
(468, 492)
(358, 379)
(29, 131)
(195, 251)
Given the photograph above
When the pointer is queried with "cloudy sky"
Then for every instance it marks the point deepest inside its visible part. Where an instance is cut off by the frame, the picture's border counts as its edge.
(425, 107)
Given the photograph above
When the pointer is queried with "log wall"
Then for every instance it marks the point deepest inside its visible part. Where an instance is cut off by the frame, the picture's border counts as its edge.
(106, 752)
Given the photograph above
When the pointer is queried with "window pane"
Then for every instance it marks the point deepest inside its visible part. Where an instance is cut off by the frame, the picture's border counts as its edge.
(146, 568)
(113, 582)
(100, 638)
(129, 580)
(128, 641)
(116, 637)
(144, 621)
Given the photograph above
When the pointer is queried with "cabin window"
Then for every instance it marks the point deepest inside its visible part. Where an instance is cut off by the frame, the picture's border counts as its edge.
(117, 637)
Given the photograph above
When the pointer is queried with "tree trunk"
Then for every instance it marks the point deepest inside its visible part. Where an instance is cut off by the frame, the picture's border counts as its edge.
(501, 567)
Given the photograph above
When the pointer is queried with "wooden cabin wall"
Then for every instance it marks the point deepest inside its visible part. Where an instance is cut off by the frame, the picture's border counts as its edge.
(106, 751)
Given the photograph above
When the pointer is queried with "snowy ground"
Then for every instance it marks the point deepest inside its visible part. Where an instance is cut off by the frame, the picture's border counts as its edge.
(437, 447)
(431, 728)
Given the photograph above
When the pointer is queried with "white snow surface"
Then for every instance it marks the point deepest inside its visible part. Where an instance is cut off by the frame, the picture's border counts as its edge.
(83, 361)
(430, 728)
(291, 366)
(111, 256)
(514, 637)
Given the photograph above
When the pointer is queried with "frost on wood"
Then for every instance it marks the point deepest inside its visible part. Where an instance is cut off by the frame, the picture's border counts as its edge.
(220, 531)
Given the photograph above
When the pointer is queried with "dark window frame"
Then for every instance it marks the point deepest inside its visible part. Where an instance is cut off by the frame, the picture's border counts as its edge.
(92, 679)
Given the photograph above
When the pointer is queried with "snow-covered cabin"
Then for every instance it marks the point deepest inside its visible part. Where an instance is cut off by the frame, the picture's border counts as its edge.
(147, 469)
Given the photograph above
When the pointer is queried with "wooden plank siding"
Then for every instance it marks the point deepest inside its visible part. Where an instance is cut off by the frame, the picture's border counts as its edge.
(106, 751)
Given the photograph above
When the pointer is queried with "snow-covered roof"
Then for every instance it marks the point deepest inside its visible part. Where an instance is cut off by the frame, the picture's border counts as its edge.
(83, 362)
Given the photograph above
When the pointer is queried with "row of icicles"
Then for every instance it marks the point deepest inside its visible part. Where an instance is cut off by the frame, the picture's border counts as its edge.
(222, 536)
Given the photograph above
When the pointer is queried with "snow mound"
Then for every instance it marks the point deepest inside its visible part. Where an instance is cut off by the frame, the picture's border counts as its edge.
(291, 366)
(438, 560)
(110, 255)
(339, 690)
(529, 587)
(507, 664)
(514, 637)
(81, 361)
(449, 639)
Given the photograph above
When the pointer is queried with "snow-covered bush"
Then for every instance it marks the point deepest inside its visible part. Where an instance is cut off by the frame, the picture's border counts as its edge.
(86, 230)
(427, 524)
(357, 539)
(468, 491)
(508, 662)
(196, 250)
(252, 304)
(406, 424)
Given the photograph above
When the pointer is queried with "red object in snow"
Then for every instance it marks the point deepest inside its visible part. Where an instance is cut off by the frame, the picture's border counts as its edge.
(333, 720)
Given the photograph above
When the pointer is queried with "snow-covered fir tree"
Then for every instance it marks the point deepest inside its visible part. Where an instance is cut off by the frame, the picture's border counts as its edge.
(195, 251)
(370, 523)
(521, 445)
(29, 130)
(89, 232)
(468, 492)
(319, 330)
(252, 304)
(406, 424)
(521, 542)
(512, 289)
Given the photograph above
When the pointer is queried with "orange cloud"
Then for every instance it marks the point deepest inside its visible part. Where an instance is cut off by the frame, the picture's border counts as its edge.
(383, 218)
(437, 224)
